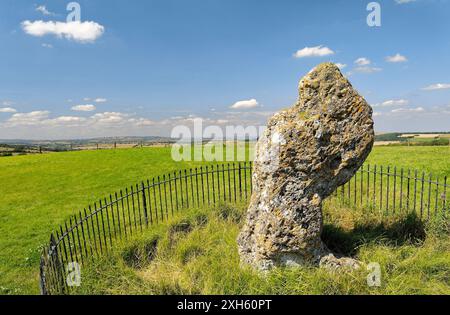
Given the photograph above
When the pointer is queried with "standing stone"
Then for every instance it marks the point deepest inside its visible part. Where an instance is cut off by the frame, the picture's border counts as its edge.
(305, 153)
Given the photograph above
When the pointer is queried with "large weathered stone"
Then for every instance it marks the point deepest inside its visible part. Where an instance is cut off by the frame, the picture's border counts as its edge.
(306, 152)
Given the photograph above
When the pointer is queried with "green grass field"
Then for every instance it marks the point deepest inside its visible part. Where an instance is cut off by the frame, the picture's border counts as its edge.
(38, 192)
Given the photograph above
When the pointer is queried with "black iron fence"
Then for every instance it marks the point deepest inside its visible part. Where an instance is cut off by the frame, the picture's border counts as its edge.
(391, 190)
(95, 230)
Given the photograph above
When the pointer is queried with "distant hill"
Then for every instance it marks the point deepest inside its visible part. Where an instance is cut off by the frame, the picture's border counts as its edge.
(109, 140)
(23, 146)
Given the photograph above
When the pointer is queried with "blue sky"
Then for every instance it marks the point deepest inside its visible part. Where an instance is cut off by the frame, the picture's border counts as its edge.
(141, 67)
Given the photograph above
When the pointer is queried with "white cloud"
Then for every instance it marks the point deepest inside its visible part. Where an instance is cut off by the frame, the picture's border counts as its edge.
(408, 110)
(31, 118)
(84, 108)
(363, 61)
(317, 51)
(438, 86)
(391, 103)
(396, 58)
(246, 104)
(40, 120)
(83, 32)
(69, 118)
(404, 1)
(8, 110)
(141, 122)
(341, 65)
(109, 118)
(43, 9)
(100, 100)
(377, 114)
(66, 121)
(47, 45)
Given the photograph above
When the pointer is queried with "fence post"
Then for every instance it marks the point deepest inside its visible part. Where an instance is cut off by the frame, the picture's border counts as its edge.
(53, 255)
(144, 203)
(42, 275)
(240, 182)
(444, 204)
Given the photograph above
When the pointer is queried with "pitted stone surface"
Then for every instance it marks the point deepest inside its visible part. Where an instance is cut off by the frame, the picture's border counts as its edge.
(306, 152)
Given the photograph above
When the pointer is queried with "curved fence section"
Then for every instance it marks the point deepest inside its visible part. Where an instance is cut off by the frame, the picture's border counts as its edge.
(95, 230)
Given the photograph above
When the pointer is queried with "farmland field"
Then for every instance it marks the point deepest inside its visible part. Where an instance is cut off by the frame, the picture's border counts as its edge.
(38, 192)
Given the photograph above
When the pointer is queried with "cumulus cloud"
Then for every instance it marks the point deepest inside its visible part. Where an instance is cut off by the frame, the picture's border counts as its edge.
(113, 119)
(64, 121)
(47, 45)
(396, 58)
(69, 119)
(82, 32)
(363, 61)
(341, 65)
(100, 100)
(96, 121)
(246, 104)
(8, 110)
(438, 86)
(141, 122)
(83, 108)
(317, 51)
(109, 117)
(363, 65)
(391, 103)
(31, 118)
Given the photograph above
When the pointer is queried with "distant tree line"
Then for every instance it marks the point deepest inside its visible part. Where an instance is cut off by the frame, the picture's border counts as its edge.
(411, 139)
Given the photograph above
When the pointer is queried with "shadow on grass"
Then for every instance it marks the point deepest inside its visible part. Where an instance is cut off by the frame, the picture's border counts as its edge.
(409, 230)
